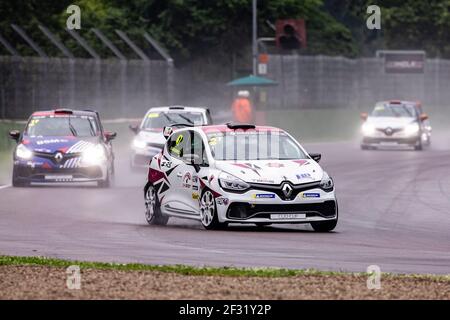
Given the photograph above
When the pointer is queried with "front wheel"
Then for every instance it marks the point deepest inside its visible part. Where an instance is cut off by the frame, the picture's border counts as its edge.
(208, 212)
(16, 183)
(153, 214)
(418, 146)
(105, 183)
(326, 226)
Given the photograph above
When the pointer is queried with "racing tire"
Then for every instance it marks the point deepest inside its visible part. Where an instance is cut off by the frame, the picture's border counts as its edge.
(16, 183)
(105, 183)
(326, 226)
(364, 147)
(208, 212)
(418, 146)
(153, 214)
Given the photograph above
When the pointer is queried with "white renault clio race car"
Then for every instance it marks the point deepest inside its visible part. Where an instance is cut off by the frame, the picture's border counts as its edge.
(238, 173)
(149, 138)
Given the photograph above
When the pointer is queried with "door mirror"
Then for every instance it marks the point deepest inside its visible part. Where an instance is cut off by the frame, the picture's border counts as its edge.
(109, 136)
(316, 156)
(167, 131)
(134, 128)
(423, 117)
(14, 134)
(364, 116)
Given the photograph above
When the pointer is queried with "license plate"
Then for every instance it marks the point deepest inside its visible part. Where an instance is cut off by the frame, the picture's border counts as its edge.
(288, 216)
(58, 177)
(389, 143)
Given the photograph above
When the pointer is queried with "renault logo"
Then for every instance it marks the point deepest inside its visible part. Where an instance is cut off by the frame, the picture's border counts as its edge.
(58, 157)
(287, 190)
(389, 131)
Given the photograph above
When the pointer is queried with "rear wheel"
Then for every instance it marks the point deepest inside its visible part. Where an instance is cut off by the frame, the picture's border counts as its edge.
(208, 211)
(153, 213)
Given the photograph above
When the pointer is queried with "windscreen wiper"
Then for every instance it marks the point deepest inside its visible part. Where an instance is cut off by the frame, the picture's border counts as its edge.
(168, 118)
(72, 129)
(186, 118)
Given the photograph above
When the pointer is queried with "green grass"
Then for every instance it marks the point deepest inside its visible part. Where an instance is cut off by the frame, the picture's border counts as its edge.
(194, 271)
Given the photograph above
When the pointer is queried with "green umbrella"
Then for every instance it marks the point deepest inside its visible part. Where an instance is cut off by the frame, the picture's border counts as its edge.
(252, 81)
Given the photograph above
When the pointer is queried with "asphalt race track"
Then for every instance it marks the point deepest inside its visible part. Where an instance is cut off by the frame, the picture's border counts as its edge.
(394, 213)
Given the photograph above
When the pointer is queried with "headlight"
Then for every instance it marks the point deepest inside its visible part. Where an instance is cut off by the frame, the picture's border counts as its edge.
(232, 183)
(23, 152)
(327, 183)
(368, 129)
(94, 155)
(139, 144)
(412, 129)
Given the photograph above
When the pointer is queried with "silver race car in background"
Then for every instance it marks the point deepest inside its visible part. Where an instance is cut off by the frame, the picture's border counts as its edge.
(396, 123)
(149, 139)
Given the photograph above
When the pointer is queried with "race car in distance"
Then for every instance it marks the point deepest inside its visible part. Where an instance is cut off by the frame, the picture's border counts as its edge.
(395, 122)
(63, 145)
(149, 139)
(238, 173)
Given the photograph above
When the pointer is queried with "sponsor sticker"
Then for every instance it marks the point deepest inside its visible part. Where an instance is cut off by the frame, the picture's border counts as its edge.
(153, 115)
(222, 201)
(310, 195)
(262, 181)
(275, 165)
(49, 141)
(263, 196)
(179, 139)
(195, 195)
(303, 176)
(187, 180)
(167, 164)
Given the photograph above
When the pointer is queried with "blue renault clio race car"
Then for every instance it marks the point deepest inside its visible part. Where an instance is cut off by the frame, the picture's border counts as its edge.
(63, 145)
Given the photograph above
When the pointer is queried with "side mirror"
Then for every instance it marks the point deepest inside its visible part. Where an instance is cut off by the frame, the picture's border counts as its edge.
(109, 136)
(167, 131)
(423, 117)
(14, 134)
(364, 116)
(134, 128)
(316, 156)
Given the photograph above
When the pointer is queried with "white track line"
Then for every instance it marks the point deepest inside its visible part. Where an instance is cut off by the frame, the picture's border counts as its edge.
(4, 187)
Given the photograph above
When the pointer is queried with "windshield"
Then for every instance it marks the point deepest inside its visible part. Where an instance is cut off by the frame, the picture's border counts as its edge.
(399, 111)
(158, 120)
(253, 145)
(81, 126)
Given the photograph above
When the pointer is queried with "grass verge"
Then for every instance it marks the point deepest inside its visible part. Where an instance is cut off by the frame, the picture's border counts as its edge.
(194, 271)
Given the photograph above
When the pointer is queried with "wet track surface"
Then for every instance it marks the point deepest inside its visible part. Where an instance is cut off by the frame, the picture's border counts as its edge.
(394, 213)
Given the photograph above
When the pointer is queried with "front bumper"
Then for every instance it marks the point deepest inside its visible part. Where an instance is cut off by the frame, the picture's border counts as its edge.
(373, 141)
(246, 208)
(29, 172)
